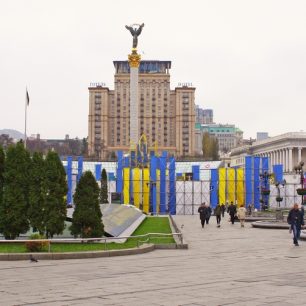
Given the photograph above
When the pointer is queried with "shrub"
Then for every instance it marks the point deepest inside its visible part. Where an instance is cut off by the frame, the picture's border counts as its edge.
(36, 246)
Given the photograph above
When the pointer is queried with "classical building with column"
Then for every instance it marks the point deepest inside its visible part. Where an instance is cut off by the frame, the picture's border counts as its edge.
(287, 149)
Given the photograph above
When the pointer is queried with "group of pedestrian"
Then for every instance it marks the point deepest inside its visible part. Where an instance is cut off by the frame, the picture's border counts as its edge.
(295, 217)
(205, 212)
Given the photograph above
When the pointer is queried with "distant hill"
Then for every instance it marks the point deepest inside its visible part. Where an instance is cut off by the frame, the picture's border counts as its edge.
(12, 133)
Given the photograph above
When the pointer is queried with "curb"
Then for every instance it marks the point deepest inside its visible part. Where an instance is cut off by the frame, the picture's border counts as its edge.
(78, 255)
(178, 245)
(270, 225)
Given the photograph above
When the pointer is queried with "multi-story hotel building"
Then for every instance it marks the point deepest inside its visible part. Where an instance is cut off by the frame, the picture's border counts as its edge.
(166, 117)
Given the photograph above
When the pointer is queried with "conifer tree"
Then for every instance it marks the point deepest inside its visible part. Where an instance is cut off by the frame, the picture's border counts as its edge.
(37, 193)
(104, 189)
(55, 209)
(14, 206)
(2, 159)
(87, 216)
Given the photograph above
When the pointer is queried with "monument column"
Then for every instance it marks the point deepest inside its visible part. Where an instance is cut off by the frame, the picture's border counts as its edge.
(134, 62)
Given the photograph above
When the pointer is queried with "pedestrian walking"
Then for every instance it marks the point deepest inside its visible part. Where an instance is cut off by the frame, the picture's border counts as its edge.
(296, 221)
(218, 212)
(250, 210)
(232, 212)
(302, 211)
(203, 213)
(208, 213)
(241, 213)
(222, 210)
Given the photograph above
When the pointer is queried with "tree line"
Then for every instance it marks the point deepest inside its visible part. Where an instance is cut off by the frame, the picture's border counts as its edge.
(33, 191)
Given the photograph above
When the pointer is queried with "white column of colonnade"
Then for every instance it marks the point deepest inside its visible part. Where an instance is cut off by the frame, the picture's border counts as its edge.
(287, 159)
(290, 160)
(299, 154)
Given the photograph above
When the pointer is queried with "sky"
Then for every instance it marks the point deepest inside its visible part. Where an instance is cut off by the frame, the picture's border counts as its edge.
(247, 59)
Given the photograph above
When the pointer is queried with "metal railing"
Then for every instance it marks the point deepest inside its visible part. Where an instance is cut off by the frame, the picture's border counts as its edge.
(104, 240)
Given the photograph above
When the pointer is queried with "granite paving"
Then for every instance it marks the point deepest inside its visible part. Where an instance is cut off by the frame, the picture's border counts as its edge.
(223, 266)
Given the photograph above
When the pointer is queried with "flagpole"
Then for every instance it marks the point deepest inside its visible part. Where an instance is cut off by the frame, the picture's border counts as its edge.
(25, 118)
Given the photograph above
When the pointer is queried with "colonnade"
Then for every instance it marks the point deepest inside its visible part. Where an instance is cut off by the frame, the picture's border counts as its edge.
(283, 156)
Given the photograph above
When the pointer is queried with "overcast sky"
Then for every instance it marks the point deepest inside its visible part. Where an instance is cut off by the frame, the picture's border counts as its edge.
(247, 59)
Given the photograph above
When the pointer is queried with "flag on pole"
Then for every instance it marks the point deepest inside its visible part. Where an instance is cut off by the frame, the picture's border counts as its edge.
(27, 97)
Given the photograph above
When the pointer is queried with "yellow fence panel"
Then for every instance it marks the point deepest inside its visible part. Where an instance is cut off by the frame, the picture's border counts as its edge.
(240, 186)
(222, 185)
(146, 189)
(136, 186)
(231, 188)
(126, 185)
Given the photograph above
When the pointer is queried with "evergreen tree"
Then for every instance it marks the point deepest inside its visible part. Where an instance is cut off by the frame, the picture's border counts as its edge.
(14, 206)
(37, 193)
(104, 190)
(87, 216)
(55, 209)
(2, 159)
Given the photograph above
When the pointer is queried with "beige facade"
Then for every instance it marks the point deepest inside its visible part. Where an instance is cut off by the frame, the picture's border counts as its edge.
(165, 116)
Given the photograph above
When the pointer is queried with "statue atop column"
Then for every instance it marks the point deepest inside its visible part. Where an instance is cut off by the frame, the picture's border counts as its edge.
(135, 30)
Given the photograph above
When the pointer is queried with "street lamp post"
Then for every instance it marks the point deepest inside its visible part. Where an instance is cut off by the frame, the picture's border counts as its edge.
(278, 197)
(264, 189)
(301, 191)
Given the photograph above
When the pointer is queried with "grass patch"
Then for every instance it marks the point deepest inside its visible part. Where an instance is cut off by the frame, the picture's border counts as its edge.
(149, 225)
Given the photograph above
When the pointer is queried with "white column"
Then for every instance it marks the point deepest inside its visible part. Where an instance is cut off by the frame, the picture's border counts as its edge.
(290, 160)
(275, 157)
(287, 160)
(282, 158)
(134, 128)
(299, 154)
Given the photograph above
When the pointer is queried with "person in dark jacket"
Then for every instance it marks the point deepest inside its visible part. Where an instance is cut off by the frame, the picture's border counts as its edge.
(222, 210)
(218, 212)
(232, 212)
(203, 213)
(208, 213)
(296, 221)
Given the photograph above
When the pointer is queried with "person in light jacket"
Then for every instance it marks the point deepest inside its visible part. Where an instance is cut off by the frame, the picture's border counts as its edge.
(241, 213)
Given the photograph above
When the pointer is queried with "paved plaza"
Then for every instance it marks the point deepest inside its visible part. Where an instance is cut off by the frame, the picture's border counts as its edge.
(226, 266)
